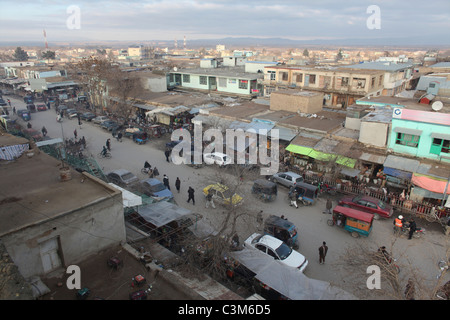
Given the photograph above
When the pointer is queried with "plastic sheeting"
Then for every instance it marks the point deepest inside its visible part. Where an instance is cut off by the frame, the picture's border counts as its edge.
(431, 184)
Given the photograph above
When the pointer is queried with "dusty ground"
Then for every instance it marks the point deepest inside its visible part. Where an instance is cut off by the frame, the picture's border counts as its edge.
(110, 284)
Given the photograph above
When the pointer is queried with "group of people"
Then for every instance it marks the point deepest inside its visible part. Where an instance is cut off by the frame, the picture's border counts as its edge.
(400, 223)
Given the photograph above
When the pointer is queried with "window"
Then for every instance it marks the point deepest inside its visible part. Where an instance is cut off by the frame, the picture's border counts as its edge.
(186, 78)
(223, 82)
(299, 77)
(345, 81)
(284, 76)
(243, 84)
(312, 78)
(203, 80)
(380, 82)
(272, 74)
(432, 85)
(372, 84)
(408, 140)
(272, 254)
(439, 146)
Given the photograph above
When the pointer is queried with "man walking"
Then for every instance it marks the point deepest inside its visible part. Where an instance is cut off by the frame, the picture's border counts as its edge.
(191, 195)
(108, 144)
(329, 205)
(412, 228)
(323, 249)
(166, 182)
(209, 200)
(167, 154)
(75, 133)
(178, 184)
(44, 131)
(293, 197)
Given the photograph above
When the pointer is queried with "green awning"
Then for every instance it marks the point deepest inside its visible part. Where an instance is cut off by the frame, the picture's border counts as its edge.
(321, 156)
(299, 149)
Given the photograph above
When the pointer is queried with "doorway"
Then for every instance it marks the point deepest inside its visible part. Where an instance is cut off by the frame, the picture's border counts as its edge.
(50, 254)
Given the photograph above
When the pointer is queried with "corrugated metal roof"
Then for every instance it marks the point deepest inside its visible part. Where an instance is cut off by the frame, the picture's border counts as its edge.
(401, 163)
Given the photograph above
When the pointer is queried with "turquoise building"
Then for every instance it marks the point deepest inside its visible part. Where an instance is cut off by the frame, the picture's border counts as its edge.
(423, 134)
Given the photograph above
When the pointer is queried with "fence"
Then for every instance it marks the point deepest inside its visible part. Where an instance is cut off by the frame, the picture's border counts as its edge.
(420, 209)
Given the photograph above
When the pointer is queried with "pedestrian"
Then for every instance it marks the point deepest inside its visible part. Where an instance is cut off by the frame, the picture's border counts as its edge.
(79, 121)
(44, 131)
(108, 144)
(329, 205)
(167, 154)
(83, 142)
(293, 197)
(9, 102)
(48, 105)
(323, 249)
(166, 182)
(29, 125)
(75, 133)
(119, 136)
(191, 192)
(14, 110)
(155, 172)
(178, 184)
(209, 200)
(412, 228)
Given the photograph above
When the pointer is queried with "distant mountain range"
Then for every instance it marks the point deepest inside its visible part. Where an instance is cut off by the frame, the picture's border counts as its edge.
(247, 42)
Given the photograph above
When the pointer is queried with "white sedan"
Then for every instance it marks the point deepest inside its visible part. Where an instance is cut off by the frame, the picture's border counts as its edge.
(217, 158)
(277, 249)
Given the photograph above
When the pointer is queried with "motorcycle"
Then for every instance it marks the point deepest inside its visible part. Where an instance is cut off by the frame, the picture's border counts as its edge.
(417, 233)
(324, 187)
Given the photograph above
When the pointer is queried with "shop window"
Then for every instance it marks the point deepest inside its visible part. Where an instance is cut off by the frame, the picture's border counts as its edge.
(243, 84)
(408, 140)
(439, 146)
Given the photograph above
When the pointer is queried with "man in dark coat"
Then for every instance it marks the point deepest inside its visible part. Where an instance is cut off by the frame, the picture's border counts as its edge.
(191, 195)
(323, 249)
(166, 182)
(178, 184)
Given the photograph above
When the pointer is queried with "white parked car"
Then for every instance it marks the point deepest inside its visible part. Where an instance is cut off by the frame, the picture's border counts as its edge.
(100, 119)
(277, 249)
(217, 158)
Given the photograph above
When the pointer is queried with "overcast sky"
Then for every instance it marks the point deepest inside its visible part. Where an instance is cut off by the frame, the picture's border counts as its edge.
(25, 20)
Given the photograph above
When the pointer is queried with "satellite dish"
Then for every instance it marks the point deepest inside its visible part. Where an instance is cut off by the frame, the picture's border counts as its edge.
(437, 105)
(175, 68)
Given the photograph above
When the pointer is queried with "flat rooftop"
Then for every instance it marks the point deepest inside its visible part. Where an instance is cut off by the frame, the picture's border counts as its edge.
(409, 103)
(31, 191)
(230, 72)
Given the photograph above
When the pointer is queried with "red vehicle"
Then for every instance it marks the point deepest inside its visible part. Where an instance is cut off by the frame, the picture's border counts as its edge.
(368, 204)
(41, 107)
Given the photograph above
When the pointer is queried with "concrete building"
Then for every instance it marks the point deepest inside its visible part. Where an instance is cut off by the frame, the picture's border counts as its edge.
(339, 87)
(52, 219)
(423, 134)
(227, 81)
(397, 76)
(296, 101)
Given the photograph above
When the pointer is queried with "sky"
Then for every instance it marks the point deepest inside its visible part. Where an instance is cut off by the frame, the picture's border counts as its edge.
(82, 20)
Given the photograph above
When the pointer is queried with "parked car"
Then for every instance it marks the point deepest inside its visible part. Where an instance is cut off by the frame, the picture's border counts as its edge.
(154, 188)
(368, 204)
(24, 114)
(217, 158)
(172, 144)
(2, 102)
(109, 125)
(88, 116)
(123, 178)
(277, 249)
(223, 194)
(71, 113)
(287, 179)
(41, 107)
(100, 119)
(62, 108)
(36, 135)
